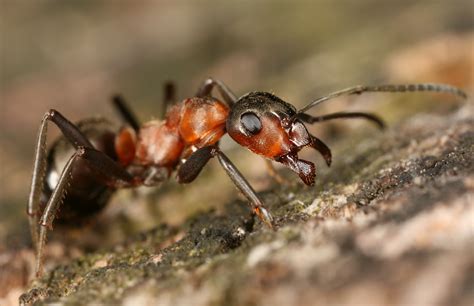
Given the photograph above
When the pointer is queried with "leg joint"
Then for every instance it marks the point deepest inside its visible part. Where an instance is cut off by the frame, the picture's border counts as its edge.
(81, 151)
(31, 212)
(50, 114)
(45, 223)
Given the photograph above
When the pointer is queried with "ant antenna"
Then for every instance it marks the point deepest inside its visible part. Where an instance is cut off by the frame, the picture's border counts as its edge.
(357, 90)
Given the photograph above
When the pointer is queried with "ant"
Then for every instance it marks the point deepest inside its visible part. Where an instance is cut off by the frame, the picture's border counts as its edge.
(102, 159)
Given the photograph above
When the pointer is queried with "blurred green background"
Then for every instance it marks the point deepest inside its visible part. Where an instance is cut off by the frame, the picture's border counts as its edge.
(73, 55)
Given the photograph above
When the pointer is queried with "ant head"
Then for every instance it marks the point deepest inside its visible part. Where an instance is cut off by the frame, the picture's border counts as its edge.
(267, 125)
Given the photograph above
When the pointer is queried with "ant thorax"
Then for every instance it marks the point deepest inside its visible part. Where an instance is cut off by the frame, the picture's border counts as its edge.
(194, 122)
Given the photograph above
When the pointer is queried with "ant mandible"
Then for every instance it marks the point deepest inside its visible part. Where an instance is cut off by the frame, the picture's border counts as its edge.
(102, 160)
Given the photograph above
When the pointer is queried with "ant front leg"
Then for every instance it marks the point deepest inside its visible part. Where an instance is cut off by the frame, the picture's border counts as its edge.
(194, 164)
(99, 161)
(169, 96)
(244, 187)
(210, 83)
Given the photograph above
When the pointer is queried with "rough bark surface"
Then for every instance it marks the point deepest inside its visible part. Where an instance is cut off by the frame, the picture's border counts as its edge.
(390, 223)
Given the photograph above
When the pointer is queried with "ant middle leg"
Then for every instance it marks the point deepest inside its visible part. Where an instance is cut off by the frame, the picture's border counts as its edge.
(125, 112)
(225, 91)
(169, 93)
(169, 97)
(128, 116)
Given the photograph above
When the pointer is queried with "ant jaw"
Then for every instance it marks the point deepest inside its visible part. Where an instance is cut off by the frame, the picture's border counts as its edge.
(299, 137)
(305, 169)
(298, 134)
(287, 122)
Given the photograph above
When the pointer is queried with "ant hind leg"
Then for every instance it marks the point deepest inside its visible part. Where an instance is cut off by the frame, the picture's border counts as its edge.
(46, 221)
(75, 136)
(84, 150)
(97, 160)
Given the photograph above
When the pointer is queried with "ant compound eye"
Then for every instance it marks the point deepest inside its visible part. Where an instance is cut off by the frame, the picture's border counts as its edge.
(251, 123)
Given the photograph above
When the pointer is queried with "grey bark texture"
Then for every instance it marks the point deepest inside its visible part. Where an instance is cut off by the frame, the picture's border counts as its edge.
(391, 223)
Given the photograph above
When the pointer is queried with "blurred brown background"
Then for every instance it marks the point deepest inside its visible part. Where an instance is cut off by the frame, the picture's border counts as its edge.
(73, 56)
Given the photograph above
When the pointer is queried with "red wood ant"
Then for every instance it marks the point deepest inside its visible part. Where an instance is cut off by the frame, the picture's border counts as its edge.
(102, 160)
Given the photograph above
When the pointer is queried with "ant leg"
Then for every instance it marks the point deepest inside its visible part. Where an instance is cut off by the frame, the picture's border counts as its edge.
(225, 91)
(169, 92)
(117, 176)
(129, 116)
(37, 180)
(244, 187)
(83, 146)
(97, 159)
(194, 164)
(39, 168)
(124, 111)
(100, 162)
(368, 116)
(50, 211)
(169, 97)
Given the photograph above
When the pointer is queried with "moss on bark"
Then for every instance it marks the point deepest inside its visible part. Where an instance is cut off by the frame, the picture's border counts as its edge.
(389, 223)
